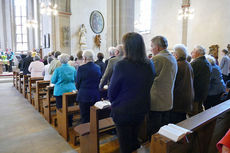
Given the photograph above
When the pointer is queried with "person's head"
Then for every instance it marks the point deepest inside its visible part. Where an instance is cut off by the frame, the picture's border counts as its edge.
(79, 55)
(88, 55)
(71, 58)
(119, 50)
(211, 59)
(225, 51)
(29, 54)
(111, 51)
(64, 58)
(198, 51)
(158, 44)
(134, 47)
(52, 53)
(100, 56)
(37, 58)
(56, 54)
(49, 60)
(180, 52)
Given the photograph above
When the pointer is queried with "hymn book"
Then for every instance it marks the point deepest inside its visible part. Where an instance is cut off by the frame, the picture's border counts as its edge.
(102, 104)
(173, 132)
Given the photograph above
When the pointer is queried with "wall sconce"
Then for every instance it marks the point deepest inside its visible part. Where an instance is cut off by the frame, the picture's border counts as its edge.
(185, 12)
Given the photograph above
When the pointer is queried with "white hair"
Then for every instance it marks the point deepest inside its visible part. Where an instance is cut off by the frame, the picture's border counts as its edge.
(64, 58)
(36, 58)
(211, 59)
(112, 50)
(181, 51)
(200, 49)
(120, 49)
(88, 54)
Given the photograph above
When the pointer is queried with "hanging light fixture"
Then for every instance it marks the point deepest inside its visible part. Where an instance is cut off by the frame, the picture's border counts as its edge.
(185, 12)
(48, 9)
(31, 24)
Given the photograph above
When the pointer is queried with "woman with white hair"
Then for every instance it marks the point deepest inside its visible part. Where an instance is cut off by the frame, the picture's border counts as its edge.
(88, 78)
(64, 78)
(36, 67)
(183, 88)
(217, 86)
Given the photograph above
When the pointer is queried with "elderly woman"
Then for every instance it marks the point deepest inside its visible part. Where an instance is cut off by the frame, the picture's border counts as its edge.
(45, 73)
(88, 78)
(64, 78)
(36, 67)
(183, 95)
(217, 86)
(129, 91)
(224, 65)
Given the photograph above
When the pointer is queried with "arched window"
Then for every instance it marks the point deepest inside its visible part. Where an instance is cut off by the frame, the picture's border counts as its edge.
(142, 23)
(20, 14)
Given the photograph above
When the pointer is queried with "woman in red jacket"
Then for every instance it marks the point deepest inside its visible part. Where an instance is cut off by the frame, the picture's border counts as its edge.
(224, 144)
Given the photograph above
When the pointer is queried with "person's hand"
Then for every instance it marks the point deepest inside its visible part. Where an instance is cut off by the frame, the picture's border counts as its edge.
(225, 149)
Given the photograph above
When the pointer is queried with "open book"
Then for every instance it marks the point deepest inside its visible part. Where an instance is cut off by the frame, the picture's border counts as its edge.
(102, 104)
(173, 132)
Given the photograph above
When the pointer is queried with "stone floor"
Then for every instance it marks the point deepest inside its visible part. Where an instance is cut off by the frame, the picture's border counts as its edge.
(23, 129)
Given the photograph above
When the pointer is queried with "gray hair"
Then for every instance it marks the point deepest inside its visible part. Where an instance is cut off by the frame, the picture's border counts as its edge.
(181, 51)
(64, 58)
(160, 41)
(36, 58)
(211, 59)
(200, 49)
(120, 49)
(88, 54)
(49, 59)
(29, 53)
(112, 50)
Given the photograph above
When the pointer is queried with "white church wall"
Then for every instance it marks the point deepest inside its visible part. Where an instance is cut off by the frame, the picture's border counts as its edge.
(81, 11)
(210, 24)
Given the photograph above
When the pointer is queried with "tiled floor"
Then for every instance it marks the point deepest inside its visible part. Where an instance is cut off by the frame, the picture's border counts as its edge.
(23, 129)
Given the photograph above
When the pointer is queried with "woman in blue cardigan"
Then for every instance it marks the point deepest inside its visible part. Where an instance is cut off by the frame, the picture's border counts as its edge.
(64, 78)
(129, 91)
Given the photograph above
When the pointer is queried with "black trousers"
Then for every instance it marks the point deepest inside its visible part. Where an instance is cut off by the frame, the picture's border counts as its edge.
(59, 106)
(225, 77)
(85, 111)
(176, 117)
(156, 120)
(212, 101)
(127, 136)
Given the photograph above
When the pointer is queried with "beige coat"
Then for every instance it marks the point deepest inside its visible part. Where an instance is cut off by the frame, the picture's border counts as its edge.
(163, 84)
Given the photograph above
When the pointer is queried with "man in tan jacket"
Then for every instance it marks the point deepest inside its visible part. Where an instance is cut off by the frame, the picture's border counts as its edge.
(163, 85)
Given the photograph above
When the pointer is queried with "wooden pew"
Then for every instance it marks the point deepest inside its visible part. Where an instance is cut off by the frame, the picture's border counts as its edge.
(14, 78)
(62, 114)
(49, 106)
(89, 132)
(32, 88)
(40, 94)
(25, 84)
(208, 127)
(20, 82)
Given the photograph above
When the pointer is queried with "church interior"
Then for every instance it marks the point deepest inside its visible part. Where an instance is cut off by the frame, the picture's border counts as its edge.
(114, 76)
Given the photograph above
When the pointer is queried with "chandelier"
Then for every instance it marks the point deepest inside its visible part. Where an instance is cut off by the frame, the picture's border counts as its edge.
(185, 12)
(32, 23)
(48, 9)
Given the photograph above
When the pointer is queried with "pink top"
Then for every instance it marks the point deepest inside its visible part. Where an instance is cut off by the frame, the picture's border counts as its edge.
(36, 69)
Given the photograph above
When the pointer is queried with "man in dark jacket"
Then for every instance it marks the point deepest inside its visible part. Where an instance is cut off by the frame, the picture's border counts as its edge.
(202, 76)
(183, 90)
(26, 63)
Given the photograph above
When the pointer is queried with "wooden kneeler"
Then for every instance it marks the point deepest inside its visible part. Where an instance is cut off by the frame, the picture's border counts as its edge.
(62, 114)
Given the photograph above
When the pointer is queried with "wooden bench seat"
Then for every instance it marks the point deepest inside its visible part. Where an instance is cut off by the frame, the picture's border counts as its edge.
(32, 88)
(62, 114)
(100, 121)
(49, 106)
(208, 127)
(40, 94)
